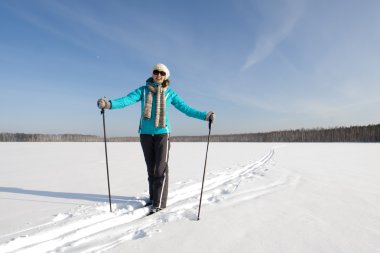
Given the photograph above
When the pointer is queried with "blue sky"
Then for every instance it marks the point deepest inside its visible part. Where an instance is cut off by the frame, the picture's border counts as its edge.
(260, 65)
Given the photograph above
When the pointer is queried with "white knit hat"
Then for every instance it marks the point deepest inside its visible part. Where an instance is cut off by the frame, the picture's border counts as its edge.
(162, 67)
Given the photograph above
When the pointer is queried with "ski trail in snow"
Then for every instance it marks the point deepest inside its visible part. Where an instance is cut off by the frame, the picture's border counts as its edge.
(95, 229)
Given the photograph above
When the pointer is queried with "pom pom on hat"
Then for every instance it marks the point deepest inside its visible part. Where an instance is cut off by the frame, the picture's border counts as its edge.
(162, 67)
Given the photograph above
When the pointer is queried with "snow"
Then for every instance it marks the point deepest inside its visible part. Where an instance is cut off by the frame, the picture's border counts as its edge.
(259, 197)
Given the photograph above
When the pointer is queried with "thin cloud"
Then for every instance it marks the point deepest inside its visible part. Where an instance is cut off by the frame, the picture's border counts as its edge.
(267, 42)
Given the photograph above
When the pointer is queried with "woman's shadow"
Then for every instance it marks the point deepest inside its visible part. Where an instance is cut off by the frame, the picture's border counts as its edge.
(125, 200)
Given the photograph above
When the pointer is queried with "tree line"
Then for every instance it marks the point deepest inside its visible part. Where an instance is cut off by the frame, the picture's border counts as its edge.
(22, 137)
(370, 133)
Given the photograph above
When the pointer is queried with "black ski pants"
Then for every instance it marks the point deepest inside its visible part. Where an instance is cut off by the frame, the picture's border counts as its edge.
(156, 153)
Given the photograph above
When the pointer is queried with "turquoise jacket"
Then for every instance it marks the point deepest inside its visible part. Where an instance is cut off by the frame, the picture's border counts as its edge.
(147, 125)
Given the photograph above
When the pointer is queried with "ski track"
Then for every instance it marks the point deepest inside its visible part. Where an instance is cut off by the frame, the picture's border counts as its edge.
(95, 229)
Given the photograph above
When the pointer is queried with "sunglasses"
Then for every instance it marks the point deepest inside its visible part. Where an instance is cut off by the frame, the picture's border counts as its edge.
(156, 72)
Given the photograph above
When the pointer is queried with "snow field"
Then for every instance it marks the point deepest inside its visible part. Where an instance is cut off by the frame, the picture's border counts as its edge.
(267, 197)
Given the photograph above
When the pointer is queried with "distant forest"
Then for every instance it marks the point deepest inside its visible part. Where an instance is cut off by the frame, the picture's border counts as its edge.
(370, 133)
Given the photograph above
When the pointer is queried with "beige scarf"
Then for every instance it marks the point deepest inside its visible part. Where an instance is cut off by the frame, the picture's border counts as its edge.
(160, 117)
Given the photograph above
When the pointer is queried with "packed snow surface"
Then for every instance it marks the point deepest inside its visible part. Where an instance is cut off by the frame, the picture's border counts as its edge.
(258, 197)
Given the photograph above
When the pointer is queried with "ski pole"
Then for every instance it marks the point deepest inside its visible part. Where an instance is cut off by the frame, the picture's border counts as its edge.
(105, 146)
(204, 169)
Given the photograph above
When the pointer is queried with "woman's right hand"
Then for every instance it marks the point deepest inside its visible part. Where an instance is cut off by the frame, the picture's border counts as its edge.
(104, 103)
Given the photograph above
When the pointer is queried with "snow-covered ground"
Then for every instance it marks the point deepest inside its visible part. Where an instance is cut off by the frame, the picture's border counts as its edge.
(259, 197)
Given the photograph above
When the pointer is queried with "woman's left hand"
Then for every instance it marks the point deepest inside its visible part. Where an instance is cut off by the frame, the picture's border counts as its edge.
(210, 116)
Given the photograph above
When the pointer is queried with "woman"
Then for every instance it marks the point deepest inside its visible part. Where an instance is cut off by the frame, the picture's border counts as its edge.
(154, 128)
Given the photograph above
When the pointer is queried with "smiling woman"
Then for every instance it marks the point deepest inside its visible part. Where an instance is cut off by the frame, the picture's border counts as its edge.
(161, 74)
(155, 129)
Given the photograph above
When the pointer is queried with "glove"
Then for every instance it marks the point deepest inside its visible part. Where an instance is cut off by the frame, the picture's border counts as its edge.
(104, 103)
(210, 116)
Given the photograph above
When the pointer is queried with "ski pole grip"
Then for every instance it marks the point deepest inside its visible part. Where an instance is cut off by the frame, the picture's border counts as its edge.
(210, 121)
